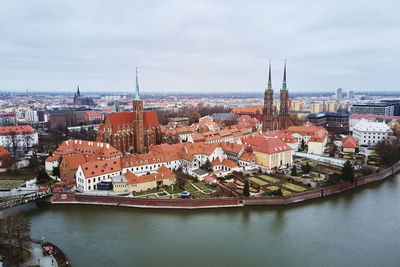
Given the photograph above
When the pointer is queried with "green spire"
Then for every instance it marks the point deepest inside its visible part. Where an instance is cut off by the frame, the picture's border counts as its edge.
(137, 97)
(284, 78)
(269, 77)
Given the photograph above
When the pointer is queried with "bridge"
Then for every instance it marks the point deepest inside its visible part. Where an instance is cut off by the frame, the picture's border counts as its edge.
(12, 201)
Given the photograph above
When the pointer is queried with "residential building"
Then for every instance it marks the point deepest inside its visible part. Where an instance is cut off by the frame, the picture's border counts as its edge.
(370, 133)
(355, 118)
(349, 144)
(8, 119)
(350, 94)
(317, 107)
(298, 105)
(332, 106)
(273, 154)
(339, 93)
(21, 137)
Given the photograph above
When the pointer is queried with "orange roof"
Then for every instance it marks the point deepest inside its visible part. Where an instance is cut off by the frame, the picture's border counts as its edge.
(162, 173)
(272, 146)
(3, 151)
(210, 178)
(26, 129)
(225, 162)
(248, 110)
(150, 119)
(247, 156)
(88, 148)
(350, 142)
(52, 158)
(73, 161)
(166, 147)
(101, 167)
(197, 137)
(231, 147)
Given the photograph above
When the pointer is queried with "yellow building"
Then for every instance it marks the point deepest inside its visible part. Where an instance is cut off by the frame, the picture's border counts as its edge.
(332, 106)
(298, 105)
(273, 154)
(163, 177)
(317, 107)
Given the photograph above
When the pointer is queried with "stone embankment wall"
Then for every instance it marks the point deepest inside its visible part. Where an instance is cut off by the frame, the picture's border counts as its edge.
(72, 197)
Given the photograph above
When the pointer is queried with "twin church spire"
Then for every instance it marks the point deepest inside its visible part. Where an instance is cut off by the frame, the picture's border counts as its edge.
(269, 86)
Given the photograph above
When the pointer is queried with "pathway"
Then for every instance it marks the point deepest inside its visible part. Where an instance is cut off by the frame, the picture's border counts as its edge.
(37, 254)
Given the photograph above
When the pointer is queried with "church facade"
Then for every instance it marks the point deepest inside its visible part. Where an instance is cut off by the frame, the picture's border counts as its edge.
(131, 132)
(272, 119)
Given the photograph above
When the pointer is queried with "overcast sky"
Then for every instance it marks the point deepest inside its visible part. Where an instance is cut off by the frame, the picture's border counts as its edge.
(198, 46)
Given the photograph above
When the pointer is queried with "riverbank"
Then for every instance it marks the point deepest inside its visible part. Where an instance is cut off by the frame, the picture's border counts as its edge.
(82, 199)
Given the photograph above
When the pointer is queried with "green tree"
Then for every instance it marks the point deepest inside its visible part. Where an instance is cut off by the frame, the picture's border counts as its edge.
(246, 189)
(303, 144)
(56, 171)
(333, 179)
(294, 171)
(348, 172)
(42, 177)
(306, 168)
(208, 166)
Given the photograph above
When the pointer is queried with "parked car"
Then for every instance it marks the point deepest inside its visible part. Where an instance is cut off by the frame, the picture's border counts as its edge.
(185, 194)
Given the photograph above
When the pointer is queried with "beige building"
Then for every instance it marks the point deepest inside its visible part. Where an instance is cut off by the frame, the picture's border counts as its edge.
(298, 105)
(317, 107)
(273, 154)
(163, 177)
(332, 106)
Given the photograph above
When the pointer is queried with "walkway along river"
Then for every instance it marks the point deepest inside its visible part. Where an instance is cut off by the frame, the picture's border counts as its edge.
(358, 227)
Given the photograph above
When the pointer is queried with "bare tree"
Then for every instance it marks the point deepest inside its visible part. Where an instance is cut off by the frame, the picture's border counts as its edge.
(27, 139)
(15, 236)
(13, 145)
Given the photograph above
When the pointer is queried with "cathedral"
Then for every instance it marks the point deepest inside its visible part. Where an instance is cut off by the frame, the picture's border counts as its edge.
(77, 97)
(131, 132)
(272, 119)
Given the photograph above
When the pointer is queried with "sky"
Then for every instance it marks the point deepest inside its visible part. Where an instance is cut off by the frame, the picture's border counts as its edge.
(198, 46)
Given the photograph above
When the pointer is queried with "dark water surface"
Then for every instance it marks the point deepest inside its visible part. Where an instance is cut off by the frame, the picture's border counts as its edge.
(357, 228)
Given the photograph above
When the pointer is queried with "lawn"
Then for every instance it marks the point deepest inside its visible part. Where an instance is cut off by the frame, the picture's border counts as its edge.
(9, 184)
(269, 178)
(285, 192)
(238, 182)
(294, 187)
(258, 181)
(189, 187)
(198, 195)
(201, 185)
(145, 192)
(176, 189)
(253, 190)
(273, 187)
(21, 175)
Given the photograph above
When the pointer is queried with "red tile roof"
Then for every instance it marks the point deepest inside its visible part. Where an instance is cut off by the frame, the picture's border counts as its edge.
(350, 142)
(248, 110)
(225, 162)
(3, 151)
(73, 161)
(272, 146)
(101, 167)
(162, 173)
(52, 158)
(88, 148)
(247, 156)
(26, 129)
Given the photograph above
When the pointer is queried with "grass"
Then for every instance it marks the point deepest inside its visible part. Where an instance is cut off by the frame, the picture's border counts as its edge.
(198, 195)
(146, 192)
(169, 189)
(239, 191)
(189, 187)
(253, 190)
(10, 184)
(239, 182)
(294, 187)
(285, 192)
(201, 185)
(21, 175)
(269, 178)
(273, 188)
(258, 181)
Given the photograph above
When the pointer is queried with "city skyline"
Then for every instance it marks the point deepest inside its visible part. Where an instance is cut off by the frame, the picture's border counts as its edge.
(198, 46)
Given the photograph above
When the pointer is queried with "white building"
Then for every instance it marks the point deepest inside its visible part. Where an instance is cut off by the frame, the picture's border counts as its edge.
(370, 133)
(20, 136)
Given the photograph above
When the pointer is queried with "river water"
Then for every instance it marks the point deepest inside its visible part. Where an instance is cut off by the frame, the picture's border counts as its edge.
(356, 228)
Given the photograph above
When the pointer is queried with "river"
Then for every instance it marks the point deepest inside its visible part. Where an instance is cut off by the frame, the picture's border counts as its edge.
(356, 228)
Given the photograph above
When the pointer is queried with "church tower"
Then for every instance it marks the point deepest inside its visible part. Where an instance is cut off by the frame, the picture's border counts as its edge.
(268, 104)
(284, 110)
(138, 131)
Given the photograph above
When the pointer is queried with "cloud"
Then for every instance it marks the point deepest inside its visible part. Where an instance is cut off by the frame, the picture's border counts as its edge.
(198, 46)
